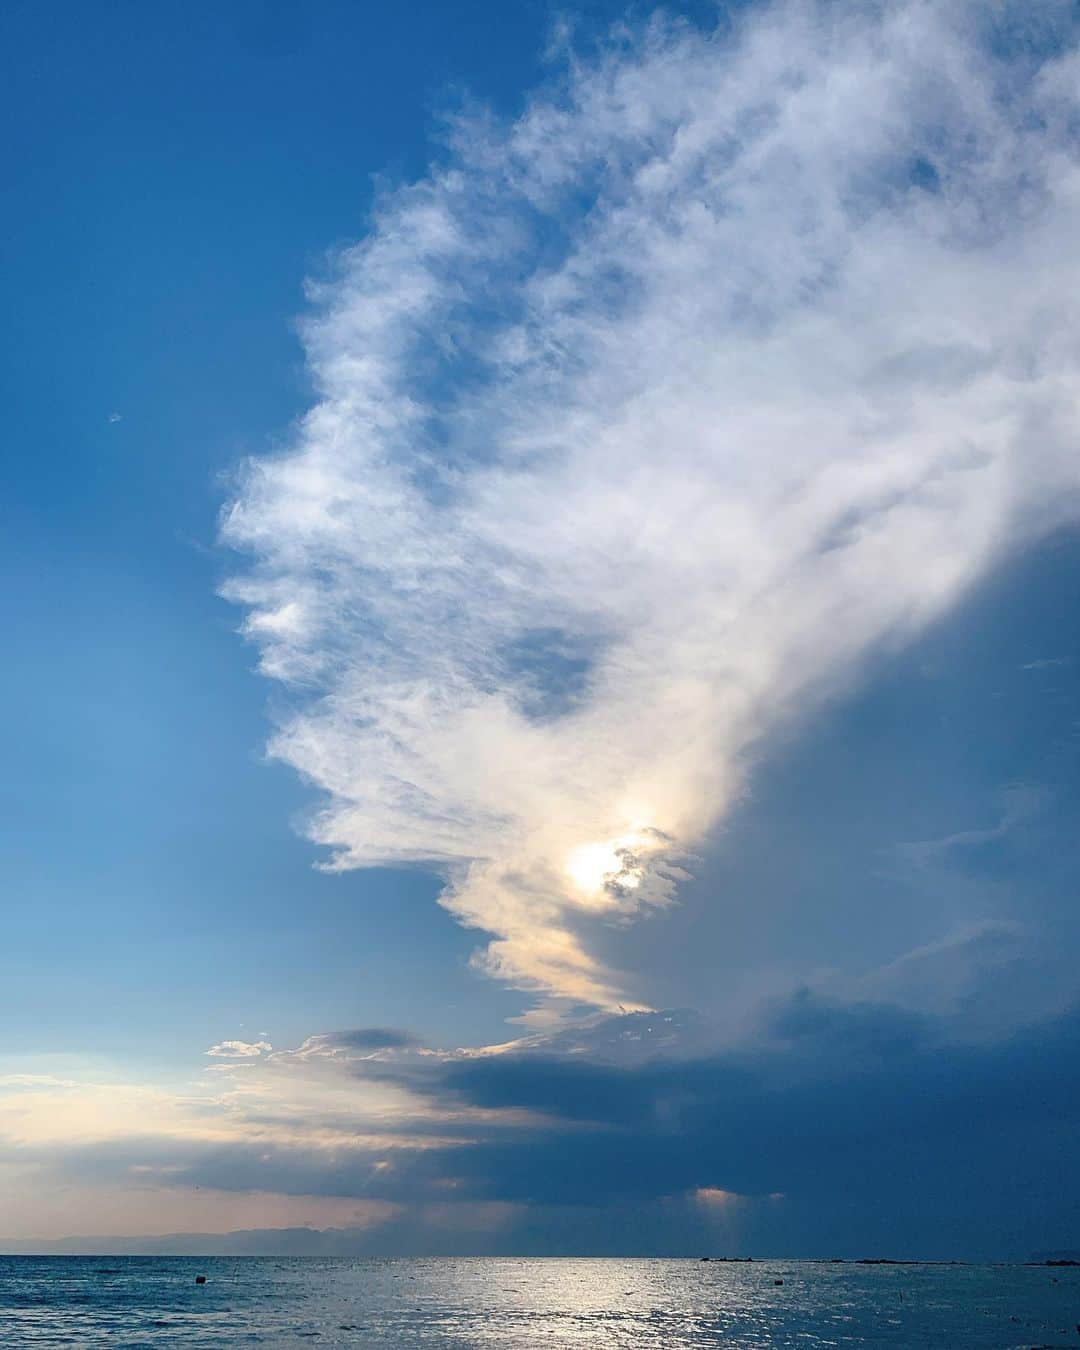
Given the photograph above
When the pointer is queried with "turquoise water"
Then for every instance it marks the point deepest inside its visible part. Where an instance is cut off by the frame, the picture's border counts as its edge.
(509, 1304)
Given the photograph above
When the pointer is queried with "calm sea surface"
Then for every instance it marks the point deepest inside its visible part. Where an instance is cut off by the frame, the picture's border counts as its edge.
(522, 1304)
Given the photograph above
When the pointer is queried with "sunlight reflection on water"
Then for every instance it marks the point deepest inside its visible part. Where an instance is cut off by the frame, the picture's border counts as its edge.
(579, 1304)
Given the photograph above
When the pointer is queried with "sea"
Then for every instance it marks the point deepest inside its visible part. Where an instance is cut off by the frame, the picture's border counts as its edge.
(530, 1304)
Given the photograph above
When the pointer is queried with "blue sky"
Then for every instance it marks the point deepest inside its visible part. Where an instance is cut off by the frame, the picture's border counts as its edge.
(624, 469)
(165, 203)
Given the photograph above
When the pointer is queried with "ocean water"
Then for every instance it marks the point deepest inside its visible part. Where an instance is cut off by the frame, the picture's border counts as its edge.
(528, 1304)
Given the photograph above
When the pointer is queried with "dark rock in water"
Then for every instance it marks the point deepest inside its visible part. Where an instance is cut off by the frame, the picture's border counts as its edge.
(200, 1279)
(706, 1258)
(778, 1281)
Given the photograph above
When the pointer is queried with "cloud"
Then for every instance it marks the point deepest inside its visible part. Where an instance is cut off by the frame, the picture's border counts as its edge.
(643, 420)
(1045, 663)
(1021, 804)
(366, 1040)
(239, 1049)
(832, 1124)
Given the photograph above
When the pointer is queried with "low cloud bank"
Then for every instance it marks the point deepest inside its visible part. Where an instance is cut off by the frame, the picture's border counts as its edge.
(838, 1128)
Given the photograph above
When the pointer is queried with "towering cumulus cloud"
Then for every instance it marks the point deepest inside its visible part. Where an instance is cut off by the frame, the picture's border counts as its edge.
(642, 420)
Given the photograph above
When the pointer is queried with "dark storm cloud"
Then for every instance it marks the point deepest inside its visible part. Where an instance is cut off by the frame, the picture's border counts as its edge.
(836, 1090)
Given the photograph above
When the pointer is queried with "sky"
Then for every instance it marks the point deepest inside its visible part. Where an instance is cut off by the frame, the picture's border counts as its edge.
(541, 557)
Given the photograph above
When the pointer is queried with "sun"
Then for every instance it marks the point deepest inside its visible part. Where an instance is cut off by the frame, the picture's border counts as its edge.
(611, 864)
(589, 867)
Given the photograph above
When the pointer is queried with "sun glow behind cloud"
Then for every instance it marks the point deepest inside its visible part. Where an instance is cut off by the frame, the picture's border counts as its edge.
(593, 866)
(732, 359)
(608, 870)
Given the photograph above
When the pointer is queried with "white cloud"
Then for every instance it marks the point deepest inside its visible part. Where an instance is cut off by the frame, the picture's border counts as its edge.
(239, 1049)
(642, 420)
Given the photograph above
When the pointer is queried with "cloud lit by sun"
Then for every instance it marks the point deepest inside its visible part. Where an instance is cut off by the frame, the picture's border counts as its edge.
(613, 865)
